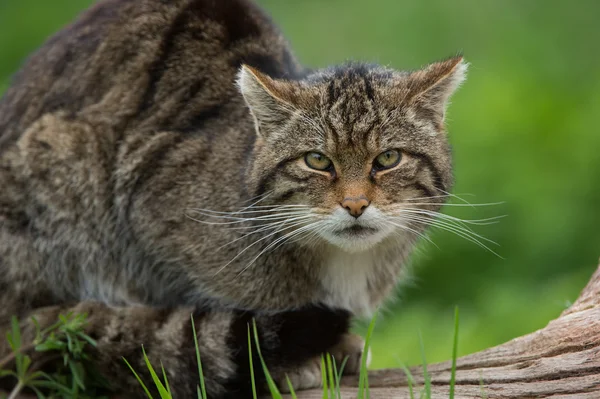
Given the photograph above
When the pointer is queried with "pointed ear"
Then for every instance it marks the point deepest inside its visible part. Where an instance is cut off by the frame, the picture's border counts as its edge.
(432, 86)
(270, 100)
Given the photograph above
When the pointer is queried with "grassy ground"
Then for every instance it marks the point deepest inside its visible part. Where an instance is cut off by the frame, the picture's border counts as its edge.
(67, 341)
(524, 131)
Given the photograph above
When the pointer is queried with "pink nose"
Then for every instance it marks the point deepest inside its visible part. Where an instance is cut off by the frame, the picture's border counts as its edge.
(355, 205)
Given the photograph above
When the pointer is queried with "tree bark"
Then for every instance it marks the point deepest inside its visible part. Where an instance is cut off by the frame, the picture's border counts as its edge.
(561, 360)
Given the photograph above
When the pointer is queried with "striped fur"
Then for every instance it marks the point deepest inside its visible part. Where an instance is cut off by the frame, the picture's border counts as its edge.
(129, 137)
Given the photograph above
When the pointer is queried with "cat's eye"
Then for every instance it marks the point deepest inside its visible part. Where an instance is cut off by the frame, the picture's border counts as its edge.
(317, 161)
(387, 159)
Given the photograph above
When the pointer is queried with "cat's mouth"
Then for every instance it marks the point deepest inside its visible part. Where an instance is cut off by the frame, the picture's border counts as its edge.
(357, 231)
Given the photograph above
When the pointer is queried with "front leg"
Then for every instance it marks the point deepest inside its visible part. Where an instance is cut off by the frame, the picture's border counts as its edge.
(292, 343)
(348, 351)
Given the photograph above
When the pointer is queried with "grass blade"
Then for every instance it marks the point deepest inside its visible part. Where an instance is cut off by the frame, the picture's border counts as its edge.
(252, 380)
(324, 378)
(363, 384)
(38, 393)
(482, 387)
(77, 373)
(409, 380)
(454, 354)
(165, 378)
(272, 387)
(331, 376)
(426, 377)
(290, 386)
(164, 394)
(338, 376)
(200, 373)
(139, 379)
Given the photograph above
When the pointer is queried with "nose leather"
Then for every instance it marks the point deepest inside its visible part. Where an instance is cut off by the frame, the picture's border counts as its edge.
(355, 205)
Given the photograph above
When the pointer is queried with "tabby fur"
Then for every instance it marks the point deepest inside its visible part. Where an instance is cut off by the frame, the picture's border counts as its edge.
(129, 137)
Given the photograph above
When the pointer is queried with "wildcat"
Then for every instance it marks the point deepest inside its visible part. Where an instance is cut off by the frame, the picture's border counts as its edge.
(166, 158)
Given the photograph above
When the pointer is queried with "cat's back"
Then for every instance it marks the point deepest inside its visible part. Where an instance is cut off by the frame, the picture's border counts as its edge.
(146, 63)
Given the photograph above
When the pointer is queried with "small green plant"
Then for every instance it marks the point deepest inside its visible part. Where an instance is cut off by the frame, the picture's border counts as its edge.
(331, 376)
(65, 340)
(63, 343)
(427, 380)
(454, 354)
(426, 391)
(363, 382)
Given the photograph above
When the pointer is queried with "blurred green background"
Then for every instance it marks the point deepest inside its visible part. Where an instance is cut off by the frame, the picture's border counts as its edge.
(524, 129)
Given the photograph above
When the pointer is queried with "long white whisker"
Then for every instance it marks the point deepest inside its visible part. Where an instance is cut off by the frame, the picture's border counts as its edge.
(251, 215)
(469, 205)
(280, 239)
(452, 225)
(237, 220)
(267, 227)
(259, 199)
(454, 229)
(456, 196)
(477, 222)
(261, 209)
(257, 241)
(423, 236)
(426, 198)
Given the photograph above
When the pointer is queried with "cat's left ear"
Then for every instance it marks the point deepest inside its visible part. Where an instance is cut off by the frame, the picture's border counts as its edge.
(271, 101)
(433, 86)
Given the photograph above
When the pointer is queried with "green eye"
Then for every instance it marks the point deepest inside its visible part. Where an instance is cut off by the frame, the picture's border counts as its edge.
(387, 159)
(317, 161)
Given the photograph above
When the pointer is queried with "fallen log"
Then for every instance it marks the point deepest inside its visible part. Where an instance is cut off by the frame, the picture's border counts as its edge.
(562, 360)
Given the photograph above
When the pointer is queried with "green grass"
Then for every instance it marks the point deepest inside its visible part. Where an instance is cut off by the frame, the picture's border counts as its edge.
(67, 338)
(74, 377)
(454, 354)
(330, 375)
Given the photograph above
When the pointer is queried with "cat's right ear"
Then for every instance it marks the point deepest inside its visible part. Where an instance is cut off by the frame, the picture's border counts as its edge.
(270, 100)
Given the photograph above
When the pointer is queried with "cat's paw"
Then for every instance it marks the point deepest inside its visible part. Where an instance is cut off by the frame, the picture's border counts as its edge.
(351, 346)
(305, 376)
(309, 375)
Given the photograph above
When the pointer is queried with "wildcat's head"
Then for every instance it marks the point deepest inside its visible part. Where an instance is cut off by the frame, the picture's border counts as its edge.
(353, 154)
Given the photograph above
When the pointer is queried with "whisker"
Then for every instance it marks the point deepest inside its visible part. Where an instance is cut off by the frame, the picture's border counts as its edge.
(465, 234)
(426, 198)
(277, 241)
(469, 205)
(257, 241)
(259, 198)
(237, 220)
(247, 210)
(451, 223)
(477, 222)
(456, 196)
(266, 227)
(423, 236)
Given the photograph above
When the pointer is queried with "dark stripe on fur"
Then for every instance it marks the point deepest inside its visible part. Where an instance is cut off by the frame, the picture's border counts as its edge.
(150, 165)
(266, 179)
(369, 89)
(438, 181)
(158, 67)
(331, 97)
(286, 340)
(426, 190)
(286, 195)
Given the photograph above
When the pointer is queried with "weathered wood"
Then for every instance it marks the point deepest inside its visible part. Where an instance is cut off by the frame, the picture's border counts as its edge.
(561, 360)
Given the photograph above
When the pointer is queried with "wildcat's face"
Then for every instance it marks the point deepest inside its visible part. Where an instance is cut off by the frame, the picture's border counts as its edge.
(356, 154)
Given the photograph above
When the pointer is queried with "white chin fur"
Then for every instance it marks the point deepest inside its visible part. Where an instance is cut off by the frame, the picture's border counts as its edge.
(372, 219)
